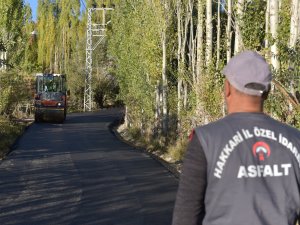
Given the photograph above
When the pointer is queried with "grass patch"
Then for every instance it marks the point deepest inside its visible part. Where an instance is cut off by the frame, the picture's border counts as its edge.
(172, 152)
(9, 132)
(177, 151)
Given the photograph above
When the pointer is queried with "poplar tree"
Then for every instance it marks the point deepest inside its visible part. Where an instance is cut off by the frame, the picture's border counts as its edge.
(238, 44)
(209, 32)
(46, 29)
(30, 40)
(294, 30)
(274, 11)
(229, 30)
(68, 21)
(11, 35)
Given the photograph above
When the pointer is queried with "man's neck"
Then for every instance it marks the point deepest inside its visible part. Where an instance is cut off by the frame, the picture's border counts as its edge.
(244, 111)
(245, 106)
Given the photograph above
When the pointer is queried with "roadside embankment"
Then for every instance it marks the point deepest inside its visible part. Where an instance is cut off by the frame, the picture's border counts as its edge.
(158, 154)
(10, 131)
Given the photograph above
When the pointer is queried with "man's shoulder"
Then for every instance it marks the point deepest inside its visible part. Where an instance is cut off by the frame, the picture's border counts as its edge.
(287, 128)
(282, 126)
(213, 126)
(241, 120)
(216, 123)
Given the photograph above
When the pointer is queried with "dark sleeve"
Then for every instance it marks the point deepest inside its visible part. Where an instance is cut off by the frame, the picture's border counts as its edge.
(189, 207)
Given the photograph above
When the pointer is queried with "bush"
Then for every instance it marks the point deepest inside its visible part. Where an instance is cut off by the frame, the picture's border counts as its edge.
(177, 151)
(9, 131)
(106, 91)
(13, 90)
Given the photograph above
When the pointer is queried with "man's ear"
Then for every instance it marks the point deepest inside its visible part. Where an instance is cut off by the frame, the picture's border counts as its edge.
(227, 89)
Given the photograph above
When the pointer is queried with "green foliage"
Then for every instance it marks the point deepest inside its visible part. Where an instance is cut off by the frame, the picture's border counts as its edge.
(9, 131)
(135, 45)
(130, 64)
(29, 61)
(284, 22)
(62, 44)
(105, 94)
(177, 151)
(278, 106)
(11, 23)
(13, 90)
(212, 96)
(137, 56)
(279, 103)
(253, 20)
(76, 79)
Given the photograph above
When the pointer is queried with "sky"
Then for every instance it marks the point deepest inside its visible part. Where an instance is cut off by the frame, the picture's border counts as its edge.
(33, 4)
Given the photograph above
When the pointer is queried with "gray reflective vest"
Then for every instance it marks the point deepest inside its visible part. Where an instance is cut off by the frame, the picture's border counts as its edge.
(253, 170)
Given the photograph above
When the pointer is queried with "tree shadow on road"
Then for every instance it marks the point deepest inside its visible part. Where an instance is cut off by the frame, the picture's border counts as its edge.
(79, 173)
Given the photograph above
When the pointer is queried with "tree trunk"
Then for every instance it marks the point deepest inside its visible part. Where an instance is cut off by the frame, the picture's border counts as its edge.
(293, 40)
(209, 32)
(298, 21)
(200, 58)
(192, 42)
(294, 23)
(183, 40)
(126, 122)
(157, 103)
(185, 36)
(179, 82)
(267, 27)
(56, 60)
(200, 31)
(228, 29)
(238, 44)
(274, 8)
(185, 96)
(164, 84)
(179, 98)
(218, 34)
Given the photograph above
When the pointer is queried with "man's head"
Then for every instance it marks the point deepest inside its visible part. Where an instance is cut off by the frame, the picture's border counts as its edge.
(248, 81)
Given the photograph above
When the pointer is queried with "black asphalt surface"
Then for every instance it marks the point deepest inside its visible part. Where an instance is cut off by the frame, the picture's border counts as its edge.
(80, 173)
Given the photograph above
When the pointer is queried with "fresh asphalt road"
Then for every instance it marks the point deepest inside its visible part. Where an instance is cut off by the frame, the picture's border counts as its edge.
(80, 173)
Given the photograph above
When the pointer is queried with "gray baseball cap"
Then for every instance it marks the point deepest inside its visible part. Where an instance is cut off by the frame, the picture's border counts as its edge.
(249, 73)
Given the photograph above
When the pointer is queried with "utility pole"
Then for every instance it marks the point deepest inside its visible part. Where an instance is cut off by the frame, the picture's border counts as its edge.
(95, 32)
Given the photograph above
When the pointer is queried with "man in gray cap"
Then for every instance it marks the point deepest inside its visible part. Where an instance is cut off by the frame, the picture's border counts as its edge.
(242, 169)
